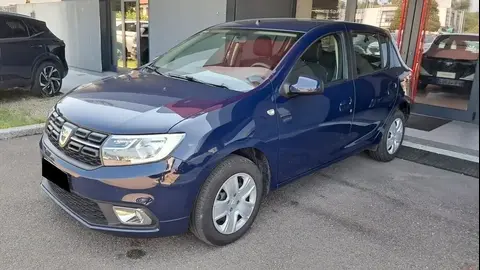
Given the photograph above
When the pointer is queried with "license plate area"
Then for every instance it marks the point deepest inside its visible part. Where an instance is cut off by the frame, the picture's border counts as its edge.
(55, 175)
(448, 75)
(450, 82)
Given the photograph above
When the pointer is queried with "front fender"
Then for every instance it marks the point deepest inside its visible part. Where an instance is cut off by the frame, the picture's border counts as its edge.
(212, 136)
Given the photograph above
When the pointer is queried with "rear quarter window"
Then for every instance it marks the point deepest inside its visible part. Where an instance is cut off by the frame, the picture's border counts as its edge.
(36, 28)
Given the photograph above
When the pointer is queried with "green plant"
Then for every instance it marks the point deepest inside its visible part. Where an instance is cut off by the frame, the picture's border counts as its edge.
(131, 15)
(471, 22)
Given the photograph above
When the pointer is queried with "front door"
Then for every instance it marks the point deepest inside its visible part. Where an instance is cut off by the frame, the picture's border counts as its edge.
(314, 129)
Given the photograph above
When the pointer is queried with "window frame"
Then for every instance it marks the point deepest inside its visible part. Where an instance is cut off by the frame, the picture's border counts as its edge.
(377, 34)
(344, 59)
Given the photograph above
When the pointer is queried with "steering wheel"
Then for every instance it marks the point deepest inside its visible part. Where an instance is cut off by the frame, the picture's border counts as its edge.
(260, 64)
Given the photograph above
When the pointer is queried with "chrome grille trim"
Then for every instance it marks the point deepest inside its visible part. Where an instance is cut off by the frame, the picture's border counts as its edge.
(83, 145)
(75, 139)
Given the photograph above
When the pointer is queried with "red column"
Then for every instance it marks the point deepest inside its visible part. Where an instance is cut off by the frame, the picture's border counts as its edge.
(419, 47)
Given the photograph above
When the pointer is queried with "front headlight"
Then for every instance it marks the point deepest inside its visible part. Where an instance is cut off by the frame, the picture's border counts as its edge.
(121, 150)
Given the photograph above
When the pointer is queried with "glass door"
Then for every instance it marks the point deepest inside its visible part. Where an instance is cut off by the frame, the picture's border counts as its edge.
(446, 59)
(130, 33)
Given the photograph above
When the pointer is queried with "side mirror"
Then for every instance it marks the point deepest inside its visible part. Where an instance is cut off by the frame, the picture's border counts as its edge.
(306, 86)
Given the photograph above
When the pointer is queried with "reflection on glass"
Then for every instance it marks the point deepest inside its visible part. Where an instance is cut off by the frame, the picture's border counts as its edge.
(450, 56)
(116, 25)
(142, 54)
(130, 36)
(321, 9)
(382, 13)
(129, 42)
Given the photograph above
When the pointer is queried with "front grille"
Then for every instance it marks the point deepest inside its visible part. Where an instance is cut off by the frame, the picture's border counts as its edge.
(88, 210)
(83, 145)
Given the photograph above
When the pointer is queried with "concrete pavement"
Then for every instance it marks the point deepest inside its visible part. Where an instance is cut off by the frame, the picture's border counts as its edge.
(357, 214)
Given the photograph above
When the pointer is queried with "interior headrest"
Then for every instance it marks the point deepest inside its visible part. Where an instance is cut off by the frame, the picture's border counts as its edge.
(263, 46)
(313, 53)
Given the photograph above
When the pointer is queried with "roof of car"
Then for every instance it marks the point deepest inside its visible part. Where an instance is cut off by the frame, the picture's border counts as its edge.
(11, 14)
(284, 24)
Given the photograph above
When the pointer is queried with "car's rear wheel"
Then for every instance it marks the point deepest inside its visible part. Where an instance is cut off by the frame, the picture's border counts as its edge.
(391, 140)
(228, 202)
(47, 80)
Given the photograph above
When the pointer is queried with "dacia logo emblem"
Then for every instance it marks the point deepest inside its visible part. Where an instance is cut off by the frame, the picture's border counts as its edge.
(65, 134)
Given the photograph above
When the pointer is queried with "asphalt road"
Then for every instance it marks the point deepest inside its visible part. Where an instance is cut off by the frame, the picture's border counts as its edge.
(358, 214)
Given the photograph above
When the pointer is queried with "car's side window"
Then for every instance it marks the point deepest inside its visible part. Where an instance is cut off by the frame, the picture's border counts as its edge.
(371, 52)
(13, 28)
(321, 61)
(384, 50)
(3, 29)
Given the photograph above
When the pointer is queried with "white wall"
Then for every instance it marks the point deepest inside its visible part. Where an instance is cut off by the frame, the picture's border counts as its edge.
(77, 23)
(304, 9)
(170, 22)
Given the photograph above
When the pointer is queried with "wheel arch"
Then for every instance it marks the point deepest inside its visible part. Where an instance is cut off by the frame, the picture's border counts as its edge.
(405, 107)
(46, 57)
(260, 159)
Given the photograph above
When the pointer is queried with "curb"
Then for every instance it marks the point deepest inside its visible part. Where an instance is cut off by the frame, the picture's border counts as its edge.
(15, 132)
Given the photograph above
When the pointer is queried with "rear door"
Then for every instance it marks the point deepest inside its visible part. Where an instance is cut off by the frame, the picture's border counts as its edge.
(18, 50)
(376, 83)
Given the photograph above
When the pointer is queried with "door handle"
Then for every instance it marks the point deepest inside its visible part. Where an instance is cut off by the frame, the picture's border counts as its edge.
(37, 46)
(346, 105)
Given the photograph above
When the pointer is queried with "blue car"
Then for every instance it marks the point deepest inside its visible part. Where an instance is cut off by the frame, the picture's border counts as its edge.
(195, 139)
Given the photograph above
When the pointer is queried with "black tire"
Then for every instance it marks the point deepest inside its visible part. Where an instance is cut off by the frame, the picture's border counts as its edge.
(381, 153)
(201, 223)
(39, 80)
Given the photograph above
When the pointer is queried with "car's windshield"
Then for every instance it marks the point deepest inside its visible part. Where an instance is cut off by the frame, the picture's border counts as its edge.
(456, 42)
(237, 59)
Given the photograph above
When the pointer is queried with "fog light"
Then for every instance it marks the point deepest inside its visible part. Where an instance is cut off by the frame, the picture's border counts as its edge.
(132, 216)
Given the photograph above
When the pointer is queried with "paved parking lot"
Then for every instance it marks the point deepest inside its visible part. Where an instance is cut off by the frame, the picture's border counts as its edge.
(358, 214)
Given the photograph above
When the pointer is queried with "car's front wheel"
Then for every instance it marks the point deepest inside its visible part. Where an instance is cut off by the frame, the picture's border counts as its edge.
(47, 80)
(228, 202)
(391, 140)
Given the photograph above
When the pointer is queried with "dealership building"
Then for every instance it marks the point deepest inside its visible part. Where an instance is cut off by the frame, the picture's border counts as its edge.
(117, 35)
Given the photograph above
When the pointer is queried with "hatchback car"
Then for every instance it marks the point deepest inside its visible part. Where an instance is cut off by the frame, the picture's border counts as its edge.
(31, 55)
(199, 136)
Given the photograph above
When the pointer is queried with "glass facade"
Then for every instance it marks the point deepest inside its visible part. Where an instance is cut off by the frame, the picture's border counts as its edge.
(447, 54)
(450, 56)
(129, 33)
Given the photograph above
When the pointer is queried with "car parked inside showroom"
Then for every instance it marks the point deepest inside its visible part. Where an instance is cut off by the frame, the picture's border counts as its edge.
(31, 56)
(450, 62)
(199, 136)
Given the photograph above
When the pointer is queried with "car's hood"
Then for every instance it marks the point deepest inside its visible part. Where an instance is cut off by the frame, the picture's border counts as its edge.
(139, 103)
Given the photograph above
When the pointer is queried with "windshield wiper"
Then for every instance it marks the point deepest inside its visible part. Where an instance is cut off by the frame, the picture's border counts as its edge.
(153, 69)
(193, 79)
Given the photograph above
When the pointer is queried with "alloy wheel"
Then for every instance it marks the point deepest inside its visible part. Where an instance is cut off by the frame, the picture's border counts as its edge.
(234, 203)
(394, 136)
(50, 81)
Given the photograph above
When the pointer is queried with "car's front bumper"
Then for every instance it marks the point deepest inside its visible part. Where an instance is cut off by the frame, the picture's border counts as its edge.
(151, 187)
(446, 82)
